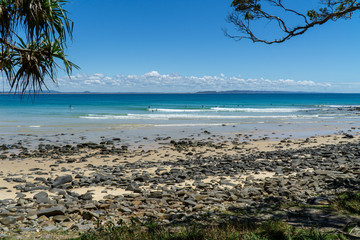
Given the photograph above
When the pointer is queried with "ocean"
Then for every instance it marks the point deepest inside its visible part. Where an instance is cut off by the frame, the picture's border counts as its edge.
(112, 114)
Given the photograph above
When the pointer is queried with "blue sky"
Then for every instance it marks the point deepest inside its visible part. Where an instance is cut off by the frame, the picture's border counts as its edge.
(178, 46)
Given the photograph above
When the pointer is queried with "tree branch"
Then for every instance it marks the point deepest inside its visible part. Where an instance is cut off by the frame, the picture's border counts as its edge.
(18, 49)
(242, 22)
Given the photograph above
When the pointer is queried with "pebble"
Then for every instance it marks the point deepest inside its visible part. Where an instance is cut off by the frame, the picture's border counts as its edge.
(178, 190)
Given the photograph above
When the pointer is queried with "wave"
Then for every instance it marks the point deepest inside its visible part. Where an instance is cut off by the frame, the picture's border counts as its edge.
(267, 110)
(192, 124)
(225, 109)
(189, 116)
(177, 110)
(337, 106)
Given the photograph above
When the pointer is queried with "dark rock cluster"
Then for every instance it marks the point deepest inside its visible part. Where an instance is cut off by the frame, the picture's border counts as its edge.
(172, 190)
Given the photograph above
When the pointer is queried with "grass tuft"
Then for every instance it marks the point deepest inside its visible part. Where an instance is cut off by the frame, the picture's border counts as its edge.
(270, 230)
(348, 202)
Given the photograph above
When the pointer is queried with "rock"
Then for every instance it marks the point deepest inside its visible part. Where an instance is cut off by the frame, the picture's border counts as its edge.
(233, 197)
(133, 187)
(50, 228)
(19, 180)
(199, 206)
(62, 180)
(89, 206)
(125, 209)
(89, 215)
(190, 203)
(349, 136)
(20, 195)
(53, 211)
(201, 185)
(319, 201)
(8, 221)
(321, 172)
(6, 213)
(155, 194)
(42, 197)
(177, 217)
(82, 227)
(200, 197)
(60, 218)
(355, 232)
(32, 217)
(86, 196)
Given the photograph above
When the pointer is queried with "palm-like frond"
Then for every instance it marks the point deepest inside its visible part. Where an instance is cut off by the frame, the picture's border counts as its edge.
(27, 63)
(6, 19)
(44, 16)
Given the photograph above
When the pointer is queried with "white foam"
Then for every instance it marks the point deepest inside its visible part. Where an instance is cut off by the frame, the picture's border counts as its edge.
(191, 124)
(228, 109)
(177, 110)
(188, 116)
(35, 126)
(339, 106)
(259, 110)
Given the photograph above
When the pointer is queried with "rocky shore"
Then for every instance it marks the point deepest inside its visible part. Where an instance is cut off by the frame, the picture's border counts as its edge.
(77, 187)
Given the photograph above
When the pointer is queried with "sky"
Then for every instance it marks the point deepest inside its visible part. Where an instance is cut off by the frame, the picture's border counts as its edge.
(179, 46)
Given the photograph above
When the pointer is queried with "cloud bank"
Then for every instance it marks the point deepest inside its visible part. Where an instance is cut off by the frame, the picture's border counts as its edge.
(156, 82)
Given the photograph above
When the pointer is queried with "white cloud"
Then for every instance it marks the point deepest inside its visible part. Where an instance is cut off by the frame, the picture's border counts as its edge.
(152, 74)
(155, 82)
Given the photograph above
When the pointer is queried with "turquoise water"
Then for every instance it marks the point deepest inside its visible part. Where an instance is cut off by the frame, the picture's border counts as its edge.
(87, 112)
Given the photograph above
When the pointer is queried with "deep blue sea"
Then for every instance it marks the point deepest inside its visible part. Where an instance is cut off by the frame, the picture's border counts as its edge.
(86, 112)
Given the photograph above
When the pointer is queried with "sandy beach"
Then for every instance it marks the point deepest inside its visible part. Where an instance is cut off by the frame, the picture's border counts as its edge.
(26, 164)
(71, 186)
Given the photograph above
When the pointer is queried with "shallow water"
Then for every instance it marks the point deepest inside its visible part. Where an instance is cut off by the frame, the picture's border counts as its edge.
(69, 118)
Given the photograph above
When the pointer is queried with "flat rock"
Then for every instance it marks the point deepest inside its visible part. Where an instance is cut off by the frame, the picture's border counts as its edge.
(8, 220)
(53, 211)
(125, 209)
(62, 180)
(86, 196)
(42, 197)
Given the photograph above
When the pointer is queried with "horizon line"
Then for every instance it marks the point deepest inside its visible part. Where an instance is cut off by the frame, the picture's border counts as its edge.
(199, 92)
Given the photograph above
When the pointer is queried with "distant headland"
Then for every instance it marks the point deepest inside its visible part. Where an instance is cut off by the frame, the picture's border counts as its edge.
(199, 92)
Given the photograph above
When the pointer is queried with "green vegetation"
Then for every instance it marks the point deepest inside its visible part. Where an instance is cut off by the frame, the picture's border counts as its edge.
(345, 203)
(269, 230)
(33, 39)
(348, 202)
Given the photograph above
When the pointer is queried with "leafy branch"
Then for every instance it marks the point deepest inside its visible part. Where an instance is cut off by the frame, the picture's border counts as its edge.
(27, 62)
(248, 11)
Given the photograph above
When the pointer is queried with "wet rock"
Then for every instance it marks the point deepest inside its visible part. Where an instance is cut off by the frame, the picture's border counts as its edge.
(349, 136)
